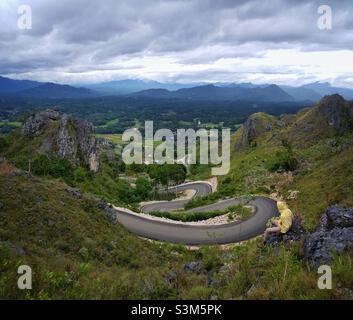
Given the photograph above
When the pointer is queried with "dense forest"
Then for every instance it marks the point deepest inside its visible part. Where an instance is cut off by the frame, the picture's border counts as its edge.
(118, 113)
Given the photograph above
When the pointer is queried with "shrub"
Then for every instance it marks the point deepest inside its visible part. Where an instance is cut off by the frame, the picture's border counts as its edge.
(143, 188)
(58, 168)
(284, 160)
(80, 175)
(4, 143)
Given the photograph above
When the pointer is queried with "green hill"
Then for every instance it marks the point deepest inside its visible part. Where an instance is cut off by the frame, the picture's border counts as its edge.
(311, 152)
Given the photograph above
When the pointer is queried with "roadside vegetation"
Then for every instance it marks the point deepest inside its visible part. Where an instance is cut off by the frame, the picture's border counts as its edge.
(234, 212)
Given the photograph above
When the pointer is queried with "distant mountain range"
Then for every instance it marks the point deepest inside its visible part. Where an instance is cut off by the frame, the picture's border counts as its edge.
(157, 90)
(8, 86)
(325, 88)
(57, 91)
(271, 93)
(128, 86)
(25, 88)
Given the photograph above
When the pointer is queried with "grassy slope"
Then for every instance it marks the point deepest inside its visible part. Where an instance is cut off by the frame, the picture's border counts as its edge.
(325, 178)
(22, 149)
(75, 251)
(324, 174)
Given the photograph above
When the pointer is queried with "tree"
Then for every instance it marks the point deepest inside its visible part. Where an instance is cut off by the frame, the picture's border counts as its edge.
(176, 173)
(143, 188)
(137, 168)
(60, 168)
(167, 173)
(41, 165)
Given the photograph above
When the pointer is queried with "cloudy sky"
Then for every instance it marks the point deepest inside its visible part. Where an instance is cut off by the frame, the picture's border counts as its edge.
(261, 41)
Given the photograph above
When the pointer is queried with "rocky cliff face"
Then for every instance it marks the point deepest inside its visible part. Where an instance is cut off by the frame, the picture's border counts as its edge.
(255, 126)
(35, 124)
(65, 137)
(333, 235)
(337, 112)
(332, 116)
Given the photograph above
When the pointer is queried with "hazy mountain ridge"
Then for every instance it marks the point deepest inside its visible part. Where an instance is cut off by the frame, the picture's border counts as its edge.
(271, 93)
(55, 91)
(8, 86)
(325, 88)
(217, 91)
(302, 93)
(26, 88)
(129, 86)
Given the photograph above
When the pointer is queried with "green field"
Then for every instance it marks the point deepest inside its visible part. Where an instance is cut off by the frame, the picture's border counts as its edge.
(11, 124)
(115, 138)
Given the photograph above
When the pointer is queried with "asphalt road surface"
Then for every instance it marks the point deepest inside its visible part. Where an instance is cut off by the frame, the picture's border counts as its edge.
(175, 232)
(201, 189)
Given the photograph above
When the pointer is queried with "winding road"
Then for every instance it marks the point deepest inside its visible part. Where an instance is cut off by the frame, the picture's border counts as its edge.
(191, 234)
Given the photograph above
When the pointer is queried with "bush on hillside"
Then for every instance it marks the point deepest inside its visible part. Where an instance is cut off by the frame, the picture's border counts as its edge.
(284, 160)
(80, 175)
(55, 167)
(4, 143)
(143, 188)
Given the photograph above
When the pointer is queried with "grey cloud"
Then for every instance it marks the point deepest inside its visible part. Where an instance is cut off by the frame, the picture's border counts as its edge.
(82, 36)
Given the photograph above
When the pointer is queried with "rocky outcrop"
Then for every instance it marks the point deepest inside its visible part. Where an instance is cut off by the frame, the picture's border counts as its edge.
(332, 116)
(89, 146)
(337, 112)
(296, 233)
(36, 123)
(65, 137)
(109, 209)
(194, 266)
(334, 234)
(76, 192)
(256, 125)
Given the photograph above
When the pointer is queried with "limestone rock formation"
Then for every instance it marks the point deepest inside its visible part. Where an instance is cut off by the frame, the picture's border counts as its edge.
(255, 126)
(337, 112)
(332, 116)
(65, 137)
(36, 123)
(333, 235)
